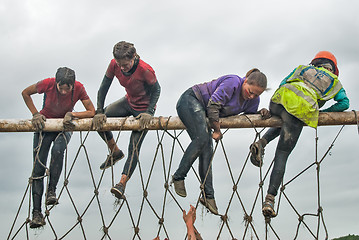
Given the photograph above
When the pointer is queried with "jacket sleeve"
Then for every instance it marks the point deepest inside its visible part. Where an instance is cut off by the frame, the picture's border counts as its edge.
(284, 81)
(342, 102)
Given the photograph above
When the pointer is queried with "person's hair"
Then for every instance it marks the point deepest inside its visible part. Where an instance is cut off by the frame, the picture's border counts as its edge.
(124, 50)
(256, 77)
(65, 75)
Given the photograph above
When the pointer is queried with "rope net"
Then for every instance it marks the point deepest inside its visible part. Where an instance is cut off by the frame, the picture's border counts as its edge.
(87, 209)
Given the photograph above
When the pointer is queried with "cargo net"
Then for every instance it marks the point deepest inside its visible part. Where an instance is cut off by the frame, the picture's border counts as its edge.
(151, 208)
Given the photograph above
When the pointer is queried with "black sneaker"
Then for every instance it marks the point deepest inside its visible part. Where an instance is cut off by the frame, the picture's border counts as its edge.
(257, 153)
(112, 159)
(37, 219)
(118, 190)
(51, 198)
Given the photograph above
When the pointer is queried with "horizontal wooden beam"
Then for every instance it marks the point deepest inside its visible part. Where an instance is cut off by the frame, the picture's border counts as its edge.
(171, 123)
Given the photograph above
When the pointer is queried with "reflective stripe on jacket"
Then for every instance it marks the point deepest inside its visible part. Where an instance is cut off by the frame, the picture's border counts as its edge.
(302, 91)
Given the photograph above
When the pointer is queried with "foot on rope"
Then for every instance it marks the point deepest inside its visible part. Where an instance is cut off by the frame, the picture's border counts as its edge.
(111, 160)
(268, 207)
(37, 219)
(257, 152)
(118, 190)
(51, 198)
(210, 204)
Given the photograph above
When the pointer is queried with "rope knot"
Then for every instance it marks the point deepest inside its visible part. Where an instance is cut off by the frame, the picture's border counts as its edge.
(161, 221)
(234, 188)
(145, 193)
(137, 230)
(247, 218)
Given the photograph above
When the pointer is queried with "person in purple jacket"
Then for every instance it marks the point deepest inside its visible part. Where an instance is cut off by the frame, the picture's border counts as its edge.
(222, 97)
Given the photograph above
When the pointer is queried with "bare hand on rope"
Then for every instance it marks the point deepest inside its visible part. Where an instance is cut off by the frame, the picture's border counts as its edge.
(38, 121)
(67, 122)
(145, 119)
(217, 135)
(99, 120)
(265, 113)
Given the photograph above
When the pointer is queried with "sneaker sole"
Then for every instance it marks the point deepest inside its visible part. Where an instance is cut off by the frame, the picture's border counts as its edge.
(209, 207)
(117, 193)
(36, 225)
(114, 162)
(52, 202)
(267, 212)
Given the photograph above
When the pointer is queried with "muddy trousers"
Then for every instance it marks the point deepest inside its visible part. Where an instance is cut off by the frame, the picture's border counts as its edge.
(40, 154)
(193, 116)
(288, 137)
(121, 108)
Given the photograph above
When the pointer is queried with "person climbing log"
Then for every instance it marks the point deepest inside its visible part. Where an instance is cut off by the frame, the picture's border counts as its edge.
(60, 96)
(297, 102)
(228, 95)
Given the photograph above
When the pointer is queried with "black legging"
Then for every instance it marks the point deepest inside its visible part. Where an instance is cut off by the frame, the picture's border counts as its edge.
(289, 134)
(193, 116)
(60, 141)
(121, 108)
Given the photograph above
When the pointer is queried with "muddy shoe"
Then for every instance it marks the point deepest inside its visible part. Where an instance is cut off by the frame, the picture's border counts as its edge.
(268, 206)
(37, 219)
(257, 152)
(111, 160)
(118, 190)
(210, 204)
(180, 188)
(51, 198)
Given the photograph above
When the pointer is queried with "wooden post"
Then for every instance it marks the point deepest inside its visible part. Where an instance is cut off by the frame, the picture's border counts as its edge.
(171, 123)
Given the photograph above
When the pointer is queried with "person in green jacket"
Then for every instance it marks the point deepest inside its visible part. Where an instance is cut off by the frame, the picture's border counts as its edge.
(297, 102)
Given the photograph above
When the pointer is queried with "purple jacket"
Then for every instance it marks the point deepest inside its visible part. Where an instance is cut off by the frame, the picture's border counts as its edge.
(226, 91)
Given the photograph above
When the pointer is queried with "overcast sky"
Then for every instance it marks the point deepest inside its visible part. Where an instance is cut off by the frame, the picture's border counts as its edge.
(186, 42)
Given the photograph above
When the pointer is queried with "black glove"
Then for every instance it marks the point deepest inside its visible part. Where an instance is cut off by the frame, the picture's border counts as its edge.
(265, 113)
(38, 121)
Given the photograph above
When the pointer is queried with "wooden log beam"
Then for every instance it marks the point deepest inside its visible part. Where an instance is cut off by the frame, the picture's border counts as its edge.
(171, 123)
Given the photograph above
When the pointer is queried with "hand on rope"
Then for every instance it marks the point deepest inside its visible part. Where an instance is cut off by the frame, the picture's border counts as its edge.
(217, 135)
(38, 121)
(145, 119)
(67, 122)
(265, 113)
(99, 120)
